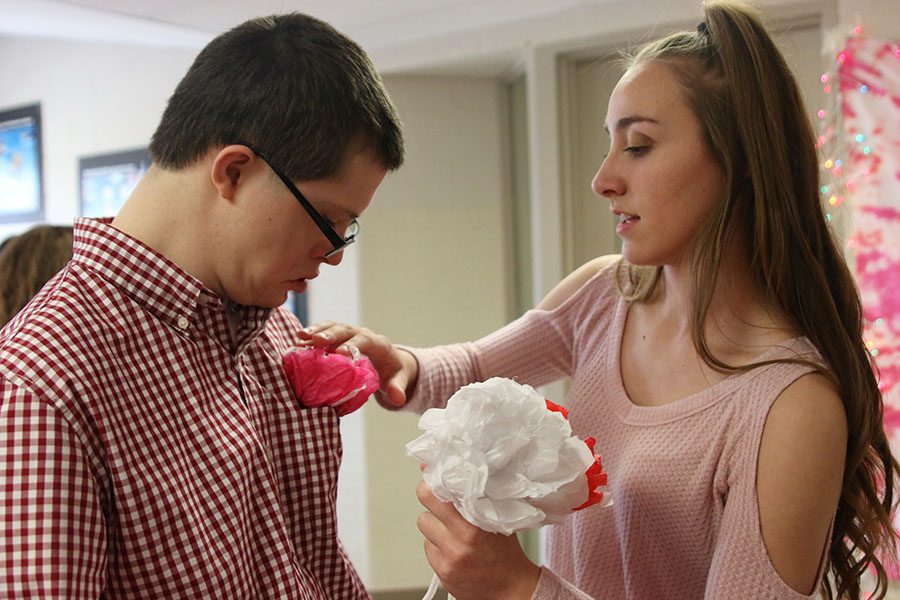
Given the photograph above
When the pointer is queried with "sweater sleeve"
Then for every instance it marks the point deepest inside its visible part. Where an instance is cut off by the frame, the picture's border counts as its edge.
(740, 566)
(551, 587)
(535, 349)
(538, 348)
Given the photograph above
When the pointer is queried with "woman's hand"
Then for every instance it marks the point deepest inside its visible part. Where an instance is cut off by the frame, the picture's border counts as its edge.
(396, 368)
(473, 564)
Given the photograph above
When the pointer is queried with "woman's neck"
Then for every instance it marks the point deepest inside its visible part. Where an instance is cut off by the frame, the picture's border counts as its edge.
(740, 318)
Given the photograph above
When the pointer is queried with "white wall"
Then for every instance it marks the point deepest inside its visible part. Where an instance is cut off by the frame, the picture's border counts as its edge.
(94, 99)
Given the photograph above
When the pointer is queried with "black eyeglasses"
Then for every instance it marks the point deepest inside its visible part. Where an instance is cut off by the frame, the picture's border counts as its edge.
(338, 243)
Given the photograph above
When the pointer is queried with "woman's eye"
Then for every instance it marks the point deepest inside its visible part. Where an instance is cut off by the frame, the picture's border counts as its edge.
(637, 150)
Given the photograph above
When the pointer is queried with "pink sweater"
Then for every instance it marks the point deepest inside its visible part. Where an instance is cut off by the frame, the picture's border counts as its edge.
(684, 523)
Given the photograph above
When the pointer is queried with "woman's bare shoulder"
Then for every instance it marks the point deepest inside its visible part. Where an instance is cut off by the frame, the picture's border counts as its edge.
(577, 278)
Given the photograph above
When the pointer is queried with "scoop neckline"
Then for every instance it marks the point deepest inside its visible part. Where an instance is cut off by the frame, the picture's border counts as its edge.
(637, 414)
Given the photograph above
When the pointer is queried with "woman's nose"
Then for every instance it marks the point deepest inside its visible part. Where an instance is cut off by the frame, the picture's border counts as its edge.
(605, 182)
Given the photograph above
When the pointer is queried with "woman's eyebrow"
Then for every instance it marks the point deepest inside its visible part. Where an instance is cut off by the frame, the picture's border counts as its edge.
(626, 121)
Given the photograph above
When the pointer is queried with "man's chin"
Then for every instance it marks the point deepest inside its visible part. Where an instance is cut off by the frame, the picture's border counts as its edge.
(298, 286)
(271, 300)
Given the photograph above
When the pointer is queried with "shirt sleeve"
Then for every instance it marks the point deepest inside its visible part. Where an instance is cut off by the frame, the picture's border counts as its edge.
(54, 538)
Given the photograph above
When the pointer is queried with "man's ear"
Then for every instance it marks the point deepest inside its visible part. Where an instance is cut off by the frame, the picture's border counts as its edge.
(230, 168)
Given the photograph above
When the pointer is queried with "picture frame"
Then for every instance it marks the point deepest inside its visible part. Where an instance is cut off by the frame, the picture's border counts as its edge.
(21, 165)
(107, 180)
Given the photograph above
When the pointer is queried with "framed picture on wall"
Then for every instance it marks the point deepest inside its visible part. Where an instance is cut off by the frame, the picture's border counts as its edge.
(21, 192)
(108, 179)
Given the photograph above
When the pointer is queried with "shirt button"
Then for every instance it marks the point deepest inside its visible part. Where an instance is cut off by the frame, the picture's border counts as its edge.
(182, 323)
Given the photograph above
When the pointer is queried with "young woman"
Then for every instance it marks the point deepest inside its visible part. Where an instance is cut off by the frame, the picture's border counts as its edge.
(719, 361)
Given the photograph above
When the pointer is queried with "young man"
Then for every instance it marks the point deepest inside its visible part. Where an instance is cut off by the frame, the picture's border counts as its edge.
(151, 446)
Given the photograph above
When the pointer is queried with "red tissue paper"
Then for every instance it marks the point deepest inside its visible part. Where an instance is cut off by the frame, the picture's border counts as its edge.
(596, 476)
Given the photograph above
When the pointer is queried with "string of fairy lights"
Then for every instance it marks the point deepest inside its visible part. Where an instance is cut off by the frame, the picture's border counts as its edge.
(838, 149)
(830, 142)
(848, 157)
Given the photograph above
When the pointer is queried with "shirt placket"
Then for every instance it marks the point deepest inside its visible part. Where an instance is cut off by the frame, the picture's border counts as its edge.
(233, 318)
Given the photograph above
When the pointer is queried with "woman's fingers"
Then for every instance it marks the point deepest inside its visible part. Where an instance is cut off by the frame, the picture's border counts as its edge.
(395, 388)
(438, 538)
(431, 528)
(342, 336)
(469, 562)
(444, 512)
(328, 333)
(396, 368)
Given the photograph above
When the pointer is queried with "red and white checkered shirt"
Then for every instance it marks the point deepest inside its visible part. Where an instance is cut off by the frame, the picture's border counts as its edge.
(129, 465)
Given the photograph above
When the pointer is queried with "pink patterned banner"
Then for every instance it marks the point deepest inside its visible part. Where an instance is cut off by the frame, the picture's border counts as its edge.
(869, 76)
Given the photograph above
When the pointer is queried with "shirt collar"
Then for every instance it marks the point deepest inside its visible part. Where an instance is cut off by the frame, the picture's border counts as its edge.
(158, 284)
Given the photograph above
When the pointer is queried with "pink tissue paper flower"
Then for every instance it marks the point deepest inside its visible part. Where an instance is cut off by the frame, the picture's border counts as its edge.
(321, 378)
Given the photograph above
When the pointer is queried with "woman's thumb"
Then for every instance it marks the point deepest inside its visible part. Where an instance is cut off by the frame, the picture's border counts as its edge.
(396, 389)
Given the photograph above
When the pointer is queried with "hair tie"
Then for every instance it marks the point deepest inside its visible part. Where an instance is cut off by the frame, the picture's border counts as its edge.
(703, 29)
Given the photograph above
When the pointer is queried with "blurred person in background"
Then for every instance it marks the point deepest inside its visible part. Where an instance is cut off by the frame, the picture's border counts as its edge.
(27, 262)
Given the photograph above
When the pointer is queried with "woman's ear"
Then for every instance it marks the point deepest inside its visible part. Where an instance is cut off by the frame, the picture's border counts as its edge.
(230, 169)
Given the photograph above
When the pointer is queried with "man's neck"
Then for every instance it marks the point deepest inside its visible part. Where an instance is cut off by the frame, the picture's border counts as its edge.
(169, 211)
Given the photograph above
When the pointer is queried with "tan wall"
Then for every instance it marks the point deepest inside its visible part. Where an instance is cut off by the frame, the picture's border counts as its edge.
(433, 269)
(878, 18)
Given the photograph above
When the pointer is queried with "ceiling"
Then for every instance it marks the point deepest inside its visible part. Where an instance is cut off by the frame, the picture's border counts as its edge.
(446, 37)
(384, 27)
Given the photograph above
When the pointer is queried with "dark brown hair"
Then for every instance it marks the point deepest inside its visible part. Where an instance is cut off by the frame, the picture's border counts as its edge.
(755, 126)
(27, 262)
(290, 85)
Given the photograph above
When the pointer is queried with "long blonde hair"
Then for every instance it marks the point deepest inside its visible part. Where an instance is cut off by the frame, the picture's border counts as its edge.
(755, 126)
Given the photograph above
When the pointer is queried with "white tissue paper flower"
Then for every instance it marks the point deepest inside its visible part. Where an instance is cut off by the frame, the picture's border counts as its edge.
(506, 457)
